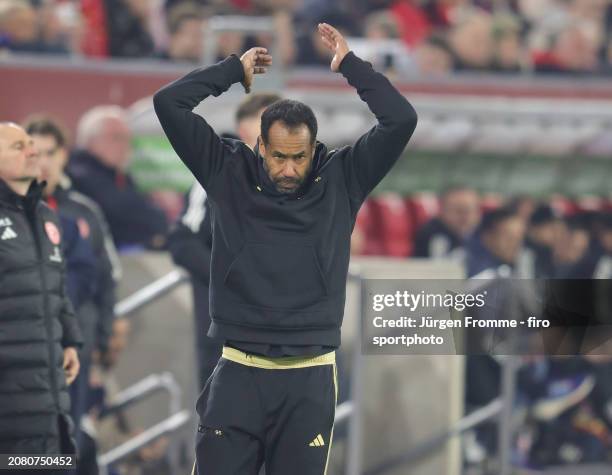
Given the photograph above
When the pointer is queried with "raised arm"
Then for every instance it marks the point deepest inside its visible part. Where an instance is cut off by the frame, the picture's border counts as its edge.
(193, 139)
(375, 152)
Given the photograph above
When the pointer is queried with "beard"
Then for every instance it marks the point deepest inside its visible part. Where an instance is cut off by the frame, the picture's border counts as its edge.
(287, 185)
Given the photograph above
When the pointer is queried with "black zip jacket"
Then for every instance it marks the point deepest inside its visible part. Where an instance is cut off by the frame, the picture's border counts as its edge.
(131, 217)
(280, 262)
(99, 308)
(36, 323)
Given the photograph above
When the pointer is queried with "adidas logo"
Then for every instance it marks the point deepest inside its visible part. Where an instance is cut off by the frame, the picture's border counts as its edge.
(8, 234)
(317, 442)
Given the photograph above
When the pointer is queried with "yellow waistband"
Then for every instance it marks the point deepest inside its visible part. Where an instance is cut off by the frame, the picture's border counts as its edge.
(285, 362)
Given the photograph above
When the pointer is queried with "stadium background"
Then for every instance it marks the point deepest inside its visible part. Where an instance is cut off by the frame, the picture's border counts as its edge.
(513, 100)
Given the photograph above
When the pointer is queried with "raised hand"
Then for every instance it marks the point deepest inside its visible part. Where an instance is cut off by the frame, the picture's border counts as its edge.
(335, 42)
(254, 61)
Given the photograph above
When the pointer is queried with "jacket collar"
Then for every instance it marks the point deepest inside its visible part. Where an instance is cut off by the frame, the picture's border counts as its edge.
(88, 159)
(33, 195)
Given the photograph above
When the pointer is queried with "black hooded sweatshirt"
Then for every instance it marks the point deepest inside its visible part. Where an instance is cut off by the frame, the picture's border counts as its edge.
(280, 261)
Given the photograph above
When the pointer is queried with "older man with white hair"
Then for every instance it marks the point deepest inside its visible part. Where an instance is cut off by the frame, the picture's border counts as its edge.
(98, 170)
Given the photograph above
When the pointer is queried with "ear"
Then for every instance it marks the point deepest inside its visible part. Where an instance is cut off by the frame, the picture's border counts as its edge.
(262, 147)
(64, 157)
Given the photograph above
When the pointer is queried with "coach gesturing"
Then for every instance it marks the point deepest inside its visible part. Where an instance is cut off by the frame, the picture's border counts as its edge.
(282, 220)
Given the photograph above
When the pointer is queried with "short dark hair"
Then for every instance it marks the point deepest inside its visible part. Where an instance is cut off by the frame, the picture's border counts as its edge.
(43, 125)
(542, 215)
(292, 114)
(253, 103)
(494, 218)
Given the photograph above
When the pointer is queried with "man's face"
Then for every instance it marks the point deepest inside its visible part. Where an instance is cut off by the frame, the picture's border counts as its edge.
(570, 245)
(605, 238)
(52, 160)
(18, 158)
(112, 145)
(288, 156)
(506, 239)
(186, 43)
(546, 233)
(460, 211)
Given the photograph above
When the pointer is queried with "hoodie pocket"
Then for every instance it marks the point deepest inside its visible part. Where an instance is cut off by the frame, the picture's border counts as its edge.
(276, 276)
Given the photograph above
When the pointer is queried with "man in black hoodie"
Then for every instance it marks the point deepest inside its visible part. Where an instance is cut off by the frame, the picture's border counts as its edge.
(282, 220)
(190, 240)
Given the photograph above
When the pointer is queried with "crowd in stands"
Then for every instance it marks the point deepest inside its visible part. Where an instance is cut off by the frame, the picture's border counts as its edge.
(430, 37)
(520, 237)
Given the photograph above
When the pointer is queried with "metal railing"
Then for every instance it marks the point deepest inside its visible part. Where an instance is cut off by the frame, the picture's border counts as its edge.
(151, 292)
(136, 393)
(146, 387)
(149, 385)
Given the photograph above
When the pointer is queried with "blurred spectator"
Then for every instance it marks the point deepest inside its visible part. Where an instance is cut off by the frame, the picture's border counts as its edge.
(229, 42)
(97, 169)
(545, 36)
(603, 268)
(96, 309)
(19, 27)
(190, 242)
(60, 25)
(94, 41)
(127, 24)
(382, 45)
(446, 235)
(311, 49)
(574, 49)
(434, 57)
(508, 53)
(497, 245)
(51, 141)
(542, 231)
(381, 25)
(471, 41)
(186, 30)
(571, 252)
(418, 20)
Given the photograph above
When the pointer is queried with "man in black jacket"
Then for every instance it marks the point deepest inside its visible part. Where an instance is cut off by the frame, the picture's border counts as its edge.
(190, 241)
(445, 236)
(282, 220)
(98, 170)
(96, 311)
(39, 337)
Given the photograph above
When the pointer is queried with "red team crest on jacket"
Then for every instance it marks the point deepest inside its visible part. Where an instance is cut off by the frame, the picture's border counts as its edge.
(84, 229)
(53, 233)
